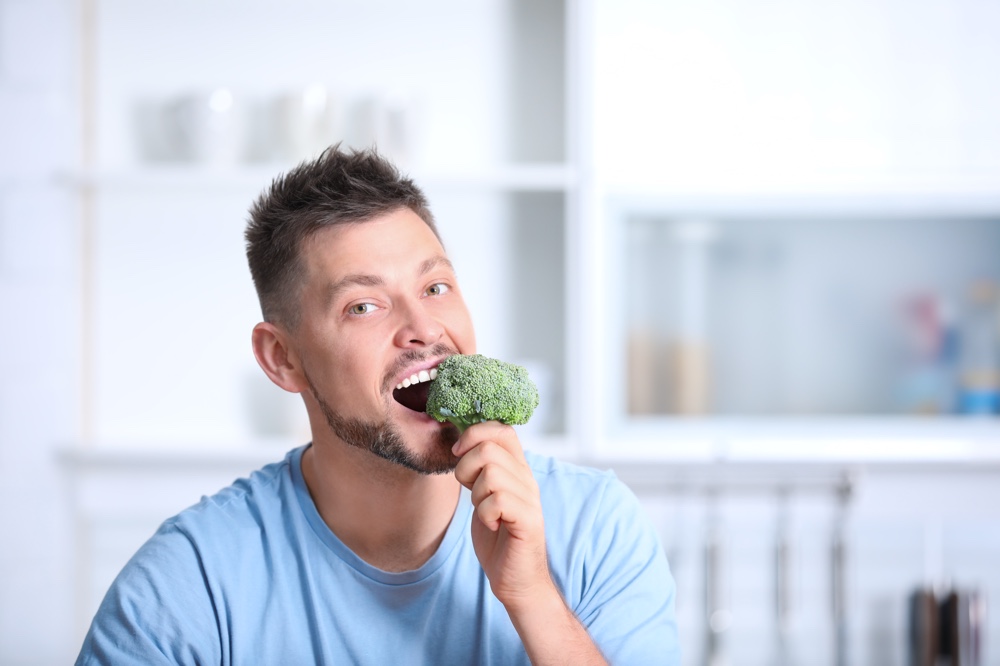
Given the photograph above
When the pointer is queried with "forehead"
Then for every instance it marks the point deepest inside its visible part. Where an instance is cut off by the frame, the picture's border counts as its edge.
(390, 243)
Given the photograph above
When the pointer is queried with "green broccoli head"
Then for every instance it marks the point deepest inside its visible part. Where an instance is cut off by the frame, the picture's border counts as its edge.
(470, 389)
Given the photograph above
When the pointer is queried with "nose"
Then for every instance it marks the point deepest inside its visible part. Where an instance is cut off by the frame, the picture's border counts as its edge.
(417, 328)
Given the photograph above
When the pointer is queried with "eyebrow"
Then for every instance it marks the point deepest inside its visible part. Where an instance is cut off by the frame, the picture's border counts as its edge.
(434, 262)
(367, 280)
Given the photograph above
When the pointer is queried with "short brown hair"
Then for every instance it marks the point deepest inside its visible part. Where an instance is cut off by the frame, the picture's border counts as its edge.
(338, 187)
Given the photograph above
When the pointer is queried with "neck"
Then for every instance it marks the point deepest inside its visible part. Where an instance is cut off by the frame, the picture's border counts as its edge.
(391, 517)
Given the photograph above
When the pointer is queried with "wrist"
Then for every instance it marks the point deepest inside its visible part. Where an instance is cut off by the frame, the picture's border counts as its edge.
(551, 632)
(544, 604)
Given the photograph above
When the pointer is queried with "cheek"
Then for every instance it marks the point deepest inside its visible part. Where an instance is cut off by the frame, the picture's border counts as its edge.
(335, 370)
(359, 368)
(463, 333)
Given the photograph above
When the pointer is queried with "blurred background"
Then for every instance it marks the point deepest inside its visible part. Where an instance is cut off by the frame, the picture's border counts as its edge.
(749, 250)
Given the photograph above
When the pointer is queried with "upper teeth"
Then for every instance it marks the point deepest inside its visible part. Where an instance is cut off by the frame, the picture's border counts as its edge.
(422, 376)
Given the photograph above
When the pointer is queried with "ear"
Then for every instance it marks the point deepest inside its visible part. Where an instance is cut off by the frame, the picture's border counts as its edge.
(276, 358)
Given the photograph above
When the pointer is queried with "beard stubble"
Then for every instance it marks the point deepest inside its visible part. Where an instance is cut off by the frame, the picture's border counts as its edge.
(383, 438)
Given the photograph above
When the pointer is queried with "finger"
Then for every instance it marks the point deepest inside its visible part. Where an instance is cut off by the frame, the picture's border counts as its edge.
(507, 509)
(494, 479)
(489, 453)
(500, 433)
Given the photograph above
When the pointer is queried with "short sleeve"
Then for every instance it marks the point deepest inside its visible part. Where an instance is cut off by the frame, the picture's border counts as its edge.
(159, 610)
(627, 604)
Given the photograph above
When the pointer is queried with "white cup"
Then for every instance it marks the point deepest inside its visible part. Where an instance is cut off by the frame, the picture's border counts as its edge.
(307, 122)
(386, 121)
(209, 128)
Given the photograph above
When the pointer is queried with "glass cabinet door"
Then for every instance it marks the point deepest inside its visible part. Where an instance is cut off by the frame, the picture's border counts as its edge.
(750, 313)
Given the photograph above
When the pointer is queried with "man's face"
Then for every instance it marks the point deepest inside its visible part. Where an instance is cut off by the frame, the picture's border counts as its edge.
(381, 303)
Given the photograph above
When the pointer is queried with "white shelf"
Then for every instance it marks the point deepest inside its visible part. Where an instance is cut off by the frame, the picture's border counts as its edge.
(518, 177)
(812, 442)
(162, 458)
(512, 177)
(813, 189)
(212, 455)
(896, 441)
(899, 198)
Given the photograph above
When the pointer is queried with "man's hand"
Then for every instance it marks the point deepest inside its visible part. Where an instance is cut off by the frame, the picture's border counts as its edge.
(508, 535)
(508, 532)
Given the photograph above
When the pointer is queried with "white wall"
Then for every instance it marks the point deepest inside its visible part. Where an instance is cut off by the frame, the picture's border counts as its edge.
(903, 530)
(40, 342)
(728, 95)
(39, 327)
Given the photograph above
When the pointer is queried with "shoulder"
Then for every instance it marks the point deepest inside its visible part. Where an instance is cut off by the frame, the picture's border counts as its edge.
(606, 557)
(588, 510)
(159, 606)
(580, 486)
(199, 542)
(549, 470)
(216, 521)
(164, 603)
(249, 502)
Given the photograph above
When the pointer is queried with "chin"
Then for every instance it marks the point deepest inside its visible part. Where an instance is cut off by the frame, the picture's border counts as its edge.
(430, 457)
(430, 436)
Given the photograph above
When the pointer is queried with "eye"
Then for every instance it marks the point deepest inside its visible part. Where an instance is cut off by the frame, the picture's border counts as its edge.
(437, 289)
(362, 308)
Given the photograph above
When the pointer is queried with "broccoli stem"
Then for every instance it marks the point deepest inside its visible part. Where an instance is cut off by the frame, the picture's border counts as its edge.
(461, 422)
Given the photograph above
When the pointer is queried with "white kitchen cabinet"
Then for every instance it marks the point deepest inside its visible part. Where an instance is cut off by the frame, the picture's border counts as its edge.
(793, 96)
(770, 187)
(558, 141)
(572, 150)
(479, 93)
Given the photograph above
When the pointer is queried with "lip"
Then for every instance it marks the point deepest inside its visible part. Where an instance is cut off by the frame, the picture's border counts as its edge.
(414, 369)
(419, 417)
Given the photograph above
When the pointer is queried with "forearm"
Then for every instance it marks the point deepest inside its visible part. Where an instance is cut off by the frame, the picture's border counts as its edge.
(552, 634)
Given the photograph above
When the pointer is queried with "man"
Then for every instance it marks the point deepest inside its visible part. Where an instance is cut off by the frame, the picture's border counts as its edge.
(389, 539)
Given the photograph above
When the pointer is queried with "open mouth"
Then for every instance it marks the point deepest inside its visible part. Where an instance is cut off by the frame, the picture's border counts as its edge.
(412, 392)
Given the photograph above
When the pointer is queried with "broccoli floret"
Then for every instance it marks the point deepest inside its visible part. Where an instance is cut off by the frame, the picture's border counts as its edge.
(473, 388)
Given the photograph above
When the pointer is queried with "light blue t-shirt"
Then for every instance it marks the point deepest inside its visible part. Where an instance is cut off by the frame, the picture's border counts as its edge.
(252, 575)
